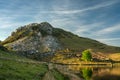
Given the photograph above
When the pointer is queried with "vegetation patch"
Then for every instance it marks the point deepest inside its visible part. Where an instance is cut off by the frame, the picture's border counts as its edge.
(16, 68)
(58, 75)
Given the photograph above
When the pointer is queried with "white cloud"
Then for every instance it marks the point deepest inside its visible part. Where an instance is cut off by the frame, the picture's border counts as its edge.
(98, 6)
(88, 27)
(110, 41)
(109, 30)
(9, 22)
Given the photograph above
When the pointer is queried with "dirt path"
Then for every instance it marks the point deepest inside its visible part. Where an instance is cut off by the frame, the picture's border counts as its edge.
(71, 75)
(48, 76)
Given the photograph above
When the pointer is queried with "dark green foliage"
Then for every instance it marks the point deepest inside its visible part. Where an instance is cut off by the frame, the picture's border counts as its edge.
(86, 55)
(87, 73)
(3, 48)
(44, 33)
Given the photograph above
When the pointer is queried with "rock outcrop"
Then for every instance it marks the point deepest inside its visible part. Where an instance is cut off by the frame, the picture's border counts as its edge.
(33, 38)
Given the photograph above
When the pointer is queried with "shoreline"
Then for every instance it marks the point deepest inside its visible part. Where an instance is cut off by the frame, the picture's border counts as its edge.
(88, 63)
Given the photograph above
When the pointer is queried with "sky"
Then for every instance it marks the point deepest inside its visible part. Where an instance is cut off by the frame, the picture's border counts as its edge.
(95, 19)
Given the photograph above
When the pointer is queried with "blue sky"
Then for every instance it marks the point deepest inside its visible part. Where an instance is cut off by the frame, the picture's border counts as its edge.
(96, 19)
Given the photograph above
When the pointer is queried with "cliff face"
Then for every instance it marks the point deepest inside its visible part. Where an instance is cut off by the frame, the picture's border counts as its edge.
(33, 38)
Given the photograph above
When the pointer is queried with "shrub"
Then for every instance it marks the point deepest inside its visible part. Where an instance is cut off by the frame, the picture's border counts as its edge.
(86, 55)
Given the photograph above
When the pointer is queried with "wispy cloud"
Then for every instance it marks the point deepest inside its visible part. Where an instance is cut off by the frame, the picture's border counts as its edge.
(109, 30)
(88, 28)
(98, 6)
(110, 41)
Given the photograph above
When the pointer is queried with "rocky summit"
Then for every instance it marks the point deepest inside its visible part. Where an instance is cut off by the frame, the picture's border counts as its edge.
(33, 38)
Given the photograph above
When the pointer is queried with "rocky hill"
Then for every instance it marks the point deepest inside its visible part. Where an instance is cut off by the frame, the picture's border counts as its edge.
(33, 38)
(43, 37)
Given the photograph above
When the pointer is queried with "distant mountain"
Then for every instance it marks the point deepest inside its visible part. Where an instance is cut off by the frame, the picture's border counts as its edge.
(43, 37)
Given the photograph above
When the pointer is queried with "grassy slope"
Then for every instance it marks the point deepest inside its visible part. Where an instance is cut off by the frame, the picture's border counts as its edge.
(13, 67)
(69, 40)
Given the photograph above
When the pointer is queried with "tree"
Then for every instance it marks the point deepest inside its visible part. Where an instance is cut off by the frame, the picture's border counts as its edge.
(86, 55)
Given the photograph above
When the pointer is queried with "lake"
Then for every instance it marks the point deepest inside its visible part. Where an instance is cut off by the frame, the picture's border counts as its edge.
(90, 72)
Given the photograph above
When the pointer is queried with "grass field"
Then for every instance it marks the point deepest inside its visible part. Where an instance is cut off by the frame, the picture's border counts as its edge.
(13, 67)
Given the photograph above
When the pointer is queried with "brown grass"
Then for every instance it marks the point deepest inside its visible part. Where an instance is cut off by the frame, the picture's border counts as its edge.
(115, 56)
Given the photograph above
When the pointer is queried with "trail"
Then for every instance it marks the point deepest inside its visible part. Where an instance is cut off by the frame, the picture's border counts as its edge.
(71, 75)
(48, 76)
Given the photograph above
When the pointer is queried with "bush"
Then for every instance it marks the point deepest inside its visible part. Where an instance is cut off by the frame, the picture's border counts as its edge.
(86, 55)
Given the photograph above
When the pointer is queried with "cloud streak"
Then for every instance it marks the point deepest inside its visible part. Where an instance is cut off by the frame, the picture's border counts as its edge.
(110, 41)
(109, 30)
(98, 6)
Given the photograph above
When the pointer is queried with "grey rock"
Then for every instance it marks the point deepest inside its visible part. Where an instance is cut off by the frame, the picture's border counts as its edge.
(37, 42)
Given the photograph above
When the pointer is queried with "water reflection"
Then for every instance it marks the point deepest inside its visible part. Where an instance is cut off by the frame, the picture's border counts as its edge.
(87, 73)
(92, 72)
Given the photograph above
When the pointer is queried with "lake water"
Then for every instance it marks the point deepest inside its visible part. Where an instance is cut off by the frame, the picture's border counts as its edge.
(79, 72)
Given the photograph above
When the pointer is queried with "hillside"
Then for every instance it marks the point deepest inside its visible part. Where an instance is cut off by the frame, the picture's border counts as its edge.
(43, 37)
(72, 41)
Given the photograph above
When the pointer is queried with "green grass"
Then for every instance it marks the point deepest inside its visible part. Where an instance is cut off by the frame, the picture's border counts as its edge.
(17, 70)
(58, 75)
(11, 70)
(13, 56)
